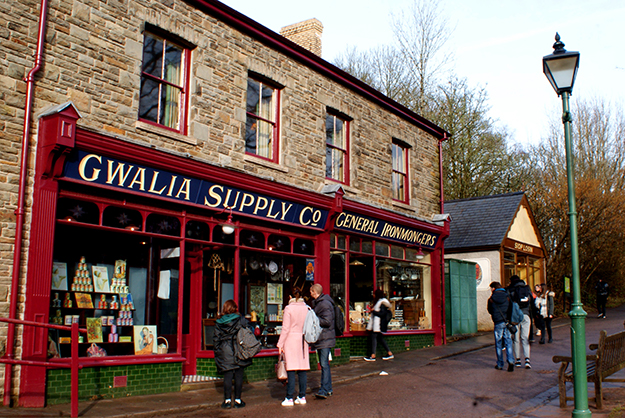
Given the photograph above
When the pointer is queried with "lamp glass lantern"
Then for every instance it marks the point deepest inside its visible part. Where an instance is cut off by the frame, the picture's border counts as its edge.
(561, 67)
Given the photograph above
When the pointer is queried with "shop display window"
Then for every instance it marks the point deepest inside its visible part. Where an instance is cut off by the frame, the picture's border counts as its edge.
(265, 283)
(360, 291)
(122, 287)
(403, 273)
(119, 217)
(407, 288)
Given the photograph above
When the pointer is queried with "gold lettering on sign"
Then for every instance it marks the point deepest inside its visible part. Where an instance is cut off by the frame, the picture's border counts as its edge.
(83, 165)
(118, 171)
(139, 179)
(153, 184)
(214, 195)
(523, 247)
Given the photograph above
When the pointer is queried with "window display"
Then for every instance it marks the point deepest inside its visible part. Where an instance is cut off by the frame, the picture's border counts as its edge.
(403, 273)
(111, 275)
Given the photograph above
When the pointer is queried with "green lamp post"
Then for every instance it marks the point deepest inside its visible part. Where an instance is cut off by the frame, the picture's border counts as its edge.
(561, 69)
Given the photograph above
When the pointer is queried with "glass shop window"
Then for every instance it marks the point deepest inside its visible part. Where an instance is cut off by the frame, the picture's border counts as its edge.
(265, 284)
(162, 224)
(338, 279)
(360, 290)
(407, 287)
(72, 210)
(120, 217)
(122, 287)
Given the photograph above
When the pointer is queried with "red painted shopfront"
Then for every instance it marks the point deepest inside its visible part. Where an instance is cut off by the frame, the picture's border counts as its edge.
(141, 250)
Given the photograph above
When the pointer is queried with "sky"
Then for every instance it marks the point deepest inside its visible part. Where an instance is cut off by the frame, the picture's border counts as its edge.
(496, 44)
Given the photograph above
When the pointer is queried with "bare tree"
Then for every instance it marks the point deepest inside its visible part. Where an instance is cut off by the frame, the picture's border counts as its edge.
(476, 157)
(422, 33)
(598, 130)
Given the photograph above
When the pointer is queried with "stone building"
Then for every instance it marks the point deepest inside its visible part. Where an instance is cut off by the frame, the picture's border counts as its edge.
(161, 158)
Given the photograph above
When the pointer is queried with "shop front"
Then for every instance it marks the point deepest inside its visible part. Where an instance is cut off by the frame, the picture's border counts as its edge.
(142, 249)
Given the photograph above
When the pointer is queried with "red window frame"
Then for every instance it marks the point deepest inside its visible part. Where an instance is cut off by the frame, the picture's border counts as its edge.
(183, 88)
(331, 146)
(398, 173)
(255, 118)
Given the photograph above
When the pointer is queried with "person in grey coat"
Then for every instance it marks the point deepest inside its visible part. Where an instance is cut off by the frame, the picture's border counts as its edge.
(323, 306)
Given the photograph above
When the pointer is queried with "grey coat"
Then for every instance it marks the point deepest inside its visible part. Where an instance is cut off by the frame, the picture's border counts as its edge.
(324, 308)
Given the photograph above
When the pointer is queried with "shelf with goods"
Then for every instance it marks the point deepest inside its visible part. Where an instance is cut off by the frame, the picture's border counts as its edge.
(104, 308)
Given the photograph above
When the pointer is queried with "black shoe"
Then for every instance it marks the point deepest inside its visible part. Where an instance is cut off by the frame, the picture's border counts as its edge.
(226, 405)
(321, 396)
(542, 341)
(497, 367)
(510, 367)
(239, 404)
(550, 340)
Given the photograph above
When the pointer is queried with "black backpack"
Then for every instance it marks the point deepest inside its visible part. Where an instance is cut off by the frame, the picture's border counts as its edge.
(385, 317)
(522, 296)
(245, 344)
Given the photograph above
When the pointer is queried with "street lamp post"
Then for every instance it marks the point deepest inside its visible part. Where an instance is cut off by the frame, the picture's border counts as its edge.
(561, 69)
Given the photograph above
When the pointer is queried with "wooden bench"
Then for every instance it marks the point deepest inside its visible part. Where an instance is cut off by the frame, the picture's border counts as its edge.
(609, 359)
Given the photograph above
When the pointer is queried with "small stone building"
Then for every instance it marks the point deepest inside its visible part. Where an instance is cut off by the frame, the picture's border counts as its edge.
(499, 234)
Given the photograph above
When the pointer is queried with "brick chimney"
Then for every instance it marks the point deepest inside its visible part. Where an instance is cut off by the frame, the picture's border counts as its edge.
(306, 34)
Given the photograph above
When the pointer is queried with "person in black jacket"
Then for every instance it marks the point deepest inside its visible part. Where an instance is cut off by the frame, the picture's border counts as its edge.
(498, 307)
(226, 329)
(521, 293)
(323, 306)
(603, 291)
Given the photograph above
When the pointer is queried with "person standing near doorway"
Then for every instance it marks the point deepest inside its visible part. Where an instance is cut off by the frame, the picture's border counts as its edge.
(521, 293)
(498, 306)
(324, 308)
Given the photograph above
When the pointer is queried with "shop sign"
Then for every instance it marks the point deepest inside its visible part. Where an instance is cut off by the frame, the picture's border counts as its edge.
(381, 229)
(98, 169)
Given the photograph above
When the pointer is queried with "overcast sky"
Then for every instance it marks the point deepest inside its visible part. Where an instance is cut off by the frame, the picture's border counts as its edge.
(497, 44)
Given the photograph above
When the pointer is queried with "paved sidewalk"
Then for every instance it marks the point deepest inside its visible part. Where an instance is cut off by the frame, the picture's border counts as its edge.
(206, 396)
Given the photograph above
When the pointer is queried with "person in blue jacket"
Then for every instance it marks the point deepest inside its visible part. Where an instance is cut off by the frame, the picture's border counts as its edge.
(498, 306)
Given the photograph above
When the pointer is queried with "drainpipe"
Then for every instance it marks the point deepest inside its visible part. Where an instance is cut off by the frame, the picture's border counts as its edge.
(442, 267)
(19, 212)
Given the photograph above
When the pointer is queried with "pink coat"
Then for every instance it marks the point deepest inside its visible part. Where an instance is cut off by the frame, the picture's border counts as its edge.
(292, 336)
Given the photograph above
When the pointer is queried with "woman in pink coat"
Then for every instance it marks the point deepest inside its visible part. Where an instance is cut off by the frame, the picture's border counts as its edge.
(295, 349)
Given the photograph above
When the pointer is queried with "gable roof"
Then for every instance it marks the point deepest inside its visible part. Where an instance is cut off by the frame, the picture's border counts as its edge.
(481, 221)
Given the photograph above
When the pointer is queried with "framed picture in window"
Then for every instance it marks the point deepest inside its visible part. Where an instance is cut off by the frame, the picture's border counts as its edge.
(101, 279)
(145, 339)
(257, 299)
(274, 293)
(59, 276)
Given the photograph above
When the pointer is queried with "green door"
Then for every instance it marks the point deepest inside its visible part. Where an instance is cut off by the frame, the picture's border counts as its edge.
(460, 297)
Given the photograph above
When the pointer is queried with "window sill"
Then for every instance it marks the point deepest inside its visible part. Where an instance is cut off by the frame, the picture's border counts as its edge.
(265, 163)
(403, 205)
(142, 126)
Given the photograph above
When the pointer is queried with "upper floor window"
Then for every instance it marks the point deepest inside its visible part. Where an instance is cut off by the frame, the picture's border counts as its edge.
(400, 171)
(337, 142)
(261, 127)
(164, 75)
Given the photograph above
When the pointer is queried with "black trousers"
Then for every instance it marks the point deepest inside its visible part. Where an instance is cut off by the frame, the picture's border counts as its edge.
(375, 338)
(601, 305)
(238, 383)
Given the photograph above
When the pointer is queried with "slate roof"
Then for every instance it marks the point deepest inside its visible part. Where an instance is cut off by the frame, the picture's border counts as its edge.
(481, 221)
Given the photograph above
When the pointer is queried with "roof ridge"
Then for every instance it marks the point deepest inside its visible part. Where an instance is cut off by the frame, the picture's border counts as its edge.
(486, 197)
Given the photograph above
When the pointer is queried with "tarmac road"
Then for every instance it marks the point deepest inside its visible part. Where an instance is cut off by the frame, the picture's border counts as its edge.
(454, 380)
(462, 385)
